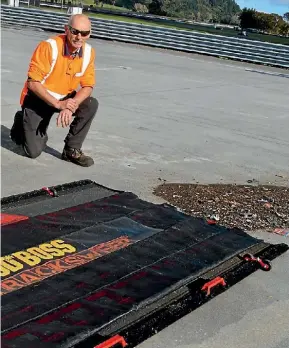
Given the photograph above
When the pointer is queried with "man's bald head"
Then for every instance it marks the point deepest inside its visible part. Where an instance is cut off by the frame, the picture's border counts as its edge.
(80, 22)
(77, 30)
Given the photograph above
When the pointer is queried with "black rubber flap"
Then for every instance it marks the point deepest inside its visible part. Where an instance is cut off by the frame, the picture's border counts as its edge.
(69, 272)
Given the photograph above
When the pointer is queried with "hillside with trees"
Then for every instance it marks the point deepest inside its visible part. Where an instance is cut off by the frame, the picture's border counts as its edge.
(225, 11)
(209, 11)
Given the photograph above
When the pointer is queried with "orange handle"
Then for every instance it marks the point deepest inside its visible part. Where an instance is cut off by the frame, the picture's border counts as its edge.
(111, 342)
(216, 281)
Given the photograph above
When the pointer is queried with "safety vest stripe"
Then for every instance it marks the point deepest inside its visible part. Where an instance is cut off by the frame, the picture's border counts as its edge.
(54, 57)
(86, 59)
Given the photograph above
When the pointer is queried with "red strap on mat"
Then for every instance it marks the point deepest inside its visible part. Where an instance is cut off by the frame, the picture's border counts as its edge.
(7, 219)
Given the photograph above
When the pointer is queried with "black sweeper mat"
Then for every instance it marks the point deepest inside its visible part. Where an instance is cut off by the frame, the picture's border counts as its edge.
(81, 260)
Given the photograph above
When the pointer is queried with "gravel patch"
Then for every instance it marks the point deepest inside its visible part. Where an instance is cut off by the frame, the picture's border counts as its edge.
(249, 207)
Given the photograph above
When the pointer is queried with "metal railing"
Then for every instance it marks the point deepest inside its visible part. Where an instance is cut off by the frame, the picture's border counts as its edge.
(182, 40)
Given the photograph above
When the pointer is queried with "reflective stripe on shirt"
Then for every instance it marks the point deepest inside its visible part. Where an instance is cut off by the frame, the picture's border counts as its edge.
(85, 62)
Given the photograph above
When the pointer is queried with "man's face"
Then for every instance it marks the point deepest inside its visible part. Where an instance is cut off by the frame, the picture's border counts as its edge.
(77, 33)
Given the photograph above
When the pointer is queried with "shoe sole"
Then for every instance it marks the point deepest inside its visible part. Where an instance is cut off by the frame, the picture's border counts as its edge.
(64, 158)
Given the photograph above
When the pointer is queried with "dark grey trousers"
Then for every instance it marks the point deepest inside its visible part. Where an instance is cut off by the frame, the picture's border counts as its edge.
(36, 118)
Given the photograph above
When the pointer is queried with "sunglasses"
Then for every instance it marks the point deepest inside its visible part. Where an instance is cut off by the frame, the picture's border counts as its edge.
(76, 31)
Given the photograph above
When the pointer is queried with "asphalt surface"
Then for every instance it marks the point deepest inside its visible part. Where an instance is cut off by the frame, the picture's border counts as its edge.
(171, 116)
(175, 117)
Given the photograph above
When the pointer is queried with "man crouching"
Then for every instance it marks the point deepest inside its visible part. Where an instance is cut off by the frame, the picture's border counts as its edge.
(57, 68)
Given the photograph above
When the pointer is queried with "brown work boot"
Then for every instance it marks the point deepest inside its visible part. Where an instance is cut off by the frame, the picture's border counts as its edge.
(76, 156)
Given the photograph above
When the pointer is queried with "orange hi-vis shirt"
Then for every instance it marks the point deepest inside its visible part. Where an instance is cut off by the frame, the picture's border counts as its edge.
(59, 72)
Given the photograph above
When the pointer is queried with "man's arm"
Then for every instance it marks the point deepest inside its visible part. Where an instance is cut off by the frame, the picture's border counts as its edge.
(39, 67)
(37, 88)
(82, 94)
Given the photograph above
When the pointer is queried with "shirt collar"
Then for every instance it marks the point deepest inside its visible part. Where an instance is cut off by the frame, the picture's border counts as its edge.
(79, 52)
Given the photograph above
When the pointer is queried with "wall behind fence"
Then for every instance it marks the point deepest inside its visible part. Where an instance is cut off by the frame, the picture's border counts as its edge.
(181, 40)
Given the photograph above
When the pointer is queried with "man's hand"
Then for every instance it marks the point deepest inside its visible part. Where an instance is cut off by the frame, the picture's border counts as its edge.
(69, 103)
(64, 118)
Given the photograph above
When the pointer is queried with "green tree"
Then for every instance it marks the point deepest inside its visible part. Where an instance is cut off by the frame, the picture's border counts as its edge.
(177, 8)
(267, 22)
(155, 7)
(283, 29)
(248, 18)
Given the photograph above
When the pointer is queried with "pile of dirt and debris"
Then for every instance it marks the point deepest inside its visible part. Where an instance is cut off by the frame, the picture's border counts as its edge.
(249, 207)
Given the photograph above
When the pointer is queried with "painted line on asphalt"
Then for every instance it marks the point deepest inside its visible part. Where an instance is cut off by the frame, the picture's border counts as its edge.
(114, 68)
(268, 73)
